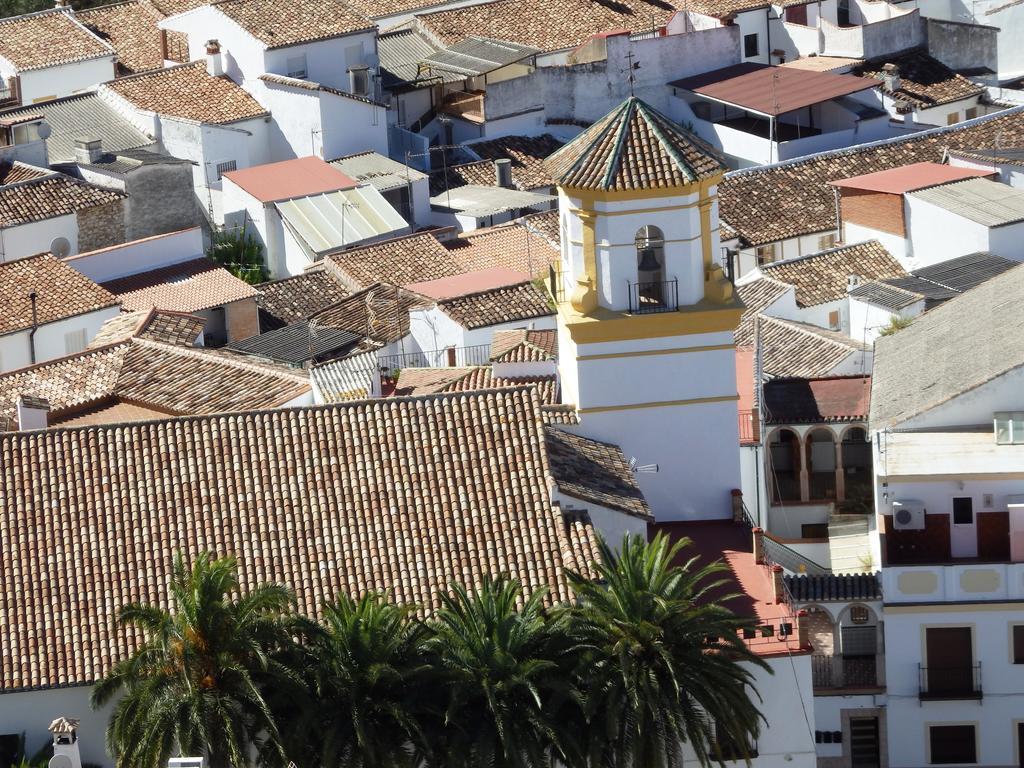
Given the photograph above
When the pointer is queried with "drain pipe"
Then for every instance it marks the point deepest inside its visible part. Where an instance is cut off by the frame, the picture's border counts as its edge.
(35, 326)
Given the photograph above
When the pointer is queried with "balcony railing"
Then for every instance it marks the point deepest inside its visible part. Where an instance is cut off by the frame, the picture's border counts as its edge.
(439, 358)
(844, 672)
(648, 298)
(950, 682)
(465, 104)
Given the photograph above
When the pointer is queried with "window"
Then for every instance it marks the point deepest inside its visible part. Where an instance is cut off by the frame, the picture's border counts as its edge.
(952, 118)
(963, 510)
(1010, 428)
(74, 341)
(971, 113)
(833, 320)
(750, 46)
(952, 744)
(1017, 638)
(766, 253)
(814, 531)
(859, 614)
(826, 241)
(226, 167)
(297, 66)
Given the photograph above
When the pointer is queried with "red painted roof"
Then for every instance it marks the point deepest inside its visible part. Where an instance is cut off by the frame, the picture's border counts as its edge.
(468, 282)
(772, 90)
(750, 582)
(908, 178)
(288, 179)
(812, 401)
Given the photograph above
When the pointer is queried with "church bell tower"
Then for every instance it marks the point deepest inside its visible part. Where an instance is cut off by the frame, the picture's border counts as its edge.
(646, 314)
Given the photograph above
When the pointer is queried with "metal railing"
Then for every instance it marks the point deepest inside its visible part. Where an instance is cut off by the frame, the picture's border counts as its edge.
(837, 672)
(458, 357)
(949, 682)
(648, 298)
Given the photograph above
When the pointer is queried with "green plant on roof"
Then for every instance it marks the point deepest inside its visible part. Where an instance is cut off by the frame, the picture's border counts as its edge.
(239, 253)
(896, 323)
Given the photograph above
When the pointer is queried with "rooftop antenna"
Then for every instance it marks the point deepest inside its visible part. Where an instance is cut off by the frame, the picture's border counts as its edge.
(647, 469)
(630, 69)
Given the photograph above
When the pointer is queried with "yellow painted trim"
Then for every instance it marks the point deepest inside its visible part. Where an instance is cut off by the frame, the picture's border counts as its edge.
(650, 352)
(705, 227)
(603, 325)
(588, 220)
(595, 195)
(953, 608)
(661, 404)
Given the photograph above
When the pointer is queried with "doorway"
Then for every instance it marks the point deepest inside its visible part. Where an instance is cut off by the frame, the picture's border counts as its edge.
(950, 662)
(963, 537)
(865, 749)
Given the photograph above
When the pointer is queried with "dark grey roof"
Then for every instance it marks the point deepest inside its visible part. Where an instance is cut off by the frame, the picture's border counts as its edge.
(297, 343)
(968, 341)
(478, 56)
(130, 159)
(838, 587)
(80, 115)
(933, 294)
(381, 173)
(965, 272)
(400, 53)
(885, 295)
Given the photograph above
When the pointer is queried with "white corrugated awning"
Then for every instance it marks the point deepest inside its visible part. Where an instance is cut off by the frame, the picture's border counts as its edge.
(336, 219)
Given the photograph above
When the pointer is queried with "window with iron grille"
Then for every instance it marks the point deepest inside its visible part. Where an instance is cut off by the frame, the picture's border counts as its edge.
(226, 167)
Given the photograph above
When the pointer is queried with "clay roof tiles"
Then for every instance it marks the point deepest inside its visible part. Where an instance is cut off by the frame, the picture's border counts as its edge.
(799, 350)
(924, 82)
(633, 147)
(130, 27)
(61, 292)
(170, 327)
(813, 401)
(757, 296)
(518, 248)
(189, 92)
(460, 494)
(294, 298)
(279, 25)
(431, 381)
(46, 197)
(793, 198)
(524, 346)
(501, 305)
(399, 261)
(526, 154)
(47, 39)
(189, 286)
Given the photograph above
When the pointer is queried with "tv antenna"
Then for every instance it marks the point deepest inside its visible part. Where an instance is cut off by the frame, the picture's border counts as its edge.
(646, 469)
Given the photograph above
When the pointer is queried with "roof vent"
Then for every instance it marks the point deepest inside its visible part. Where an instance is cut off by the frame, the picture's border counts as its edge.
(891, 77)
(214, 58)
(503, 173)
(65, 739)
(34, 413)
(88, 150)
(852, 281)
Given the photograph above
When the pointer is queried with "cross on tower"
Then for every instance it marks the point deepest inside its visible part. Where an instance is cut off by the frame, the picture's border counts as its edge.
(630, 69)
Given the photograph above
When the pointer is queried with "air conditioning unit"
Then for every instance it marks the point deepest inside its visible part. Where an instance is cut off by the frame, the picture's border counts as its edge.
(908, 515)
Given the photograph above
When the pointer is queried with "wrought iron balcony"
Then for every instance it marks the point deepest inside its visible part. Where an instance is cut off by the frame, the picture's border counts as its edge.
(950, 683)
(844, 672)
(648, 298)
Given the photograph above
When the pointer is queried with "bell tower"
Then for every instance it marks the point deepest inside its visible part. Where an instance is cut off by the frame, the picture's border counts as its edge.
(645, 313)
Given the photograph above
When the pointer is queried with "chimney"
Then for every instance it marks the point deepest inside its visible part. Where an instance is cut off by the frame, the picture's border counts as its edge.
(778, 585)
(503, 173)
(88, 149)
(852, 281)
(214, 59)
(891, 77)
(65, 740)
(32, 412)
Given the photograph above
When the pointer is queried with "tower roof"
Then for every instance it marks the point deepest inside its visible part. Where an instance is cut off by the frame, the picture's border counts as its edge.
(633, 147)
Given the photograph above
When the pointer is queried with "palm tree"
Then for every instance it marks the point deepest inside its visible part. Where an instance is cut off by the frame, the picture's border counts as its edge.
(368, 682)
(195, 684)
(505, 680)
(659, 660)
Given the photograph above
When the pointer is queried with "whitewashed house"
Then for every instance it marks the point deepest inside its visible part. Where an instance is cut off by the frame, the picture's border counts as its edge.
(947, 428)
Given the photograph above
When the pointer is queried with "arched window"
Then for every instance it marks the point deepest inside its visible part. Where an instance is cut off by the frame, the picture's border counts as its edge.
(650, 265)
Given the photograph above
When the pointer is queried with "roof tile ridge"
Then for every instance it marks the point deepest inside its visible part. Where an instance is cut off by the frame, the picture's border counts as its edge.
(810, 329)
(198, 353)
(623, 120)
(652, 118)
(828, 252)
(481, 292)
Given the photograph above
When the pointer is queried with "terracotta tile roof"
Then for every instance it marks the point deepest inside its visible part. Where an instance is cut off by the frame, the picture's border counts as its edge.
(513, 247)
(594, 472)
(756, 296)
(349, 378)
(12, 173)
(822, 277)
(924, 81)
(721, 9)
(300, 496)
(60, 292)
(47, 39)
(479, 173)
(379, 313)
(794, 198)
(527, 154)
(172, 379)
(431, 381)
(502, 305)
(170, 327)
(189, 286)
(174, 7)
(400, 261)
(50, 196)
(845, 587)
(524, 346)
(546, 224)
(633, 147)
(812, 401)
(279, 25)
(309, 85)
(130, 27)
(189, 92)
(799, 350)
(564, 415)
(291, 299)
(467, 283)
(550, 25)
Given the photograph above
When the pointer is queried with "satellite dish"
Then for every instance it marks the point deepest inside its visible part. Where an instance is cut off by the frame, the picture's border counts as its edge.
(60, 761)
(44, 130)
(60, 247)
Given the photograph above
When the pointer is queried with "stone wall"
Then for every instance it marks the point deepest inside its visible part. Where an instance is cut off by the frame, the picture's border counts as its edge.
(242, 319)
(102, 226)
(161, 199)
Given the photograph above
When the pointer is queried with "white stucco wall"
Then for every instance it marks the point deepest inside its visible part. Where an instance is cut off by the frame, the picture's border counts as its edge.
(937, 234)
(139, 255)
(65, 79)
(50, 343)
(36, 237)
(433, 329)
(867, 320)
